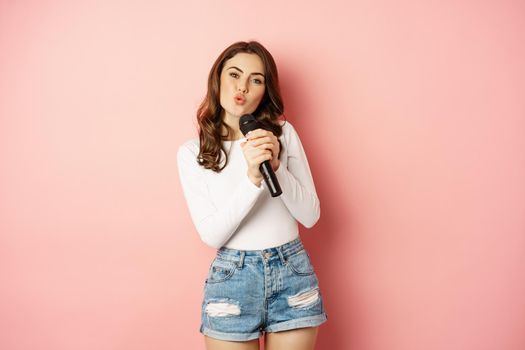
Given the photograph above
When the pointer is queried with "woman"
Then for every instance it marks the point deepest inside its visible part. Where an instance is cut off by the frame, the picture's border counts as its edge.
(261, 281)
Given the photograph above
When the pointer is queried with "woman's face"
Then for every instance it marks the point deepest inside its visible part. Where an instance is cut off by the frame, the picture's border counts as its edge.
(242, 85)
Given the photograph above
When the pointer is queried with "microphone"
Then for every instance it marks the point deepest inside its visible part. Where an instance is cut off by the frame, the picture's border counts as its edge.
(248, 123)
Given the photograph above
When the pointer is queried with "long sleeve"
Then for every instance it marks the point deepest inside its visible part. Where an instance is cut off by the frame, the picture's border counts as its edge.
(297, 184)
(215, 225)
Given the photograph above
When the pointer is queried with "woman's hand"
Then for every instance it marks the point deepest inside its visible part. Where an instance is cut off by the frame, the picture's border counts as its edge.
(261, 145)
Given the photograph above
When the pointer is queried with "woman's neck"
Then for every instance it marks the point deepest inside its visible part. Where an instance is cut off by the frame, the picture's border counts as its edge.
(233, 123)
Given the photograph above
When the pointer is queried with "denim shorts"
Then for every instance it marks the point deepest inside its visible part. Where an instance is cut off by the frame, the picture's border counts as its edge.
(248, 292)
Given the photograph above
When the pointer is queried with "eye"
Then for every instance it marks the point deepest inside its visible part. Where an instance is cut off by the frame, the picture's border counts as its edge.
(257, 81)
(234, 75)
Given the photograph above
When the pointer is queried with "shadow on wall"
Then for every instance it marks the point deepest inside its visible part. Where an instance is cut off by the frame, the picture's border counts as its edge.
(325, 237)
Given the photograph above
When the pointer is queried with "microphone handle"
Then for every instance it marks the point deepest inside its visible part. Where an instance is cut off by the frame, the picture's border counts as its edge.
(269, 177)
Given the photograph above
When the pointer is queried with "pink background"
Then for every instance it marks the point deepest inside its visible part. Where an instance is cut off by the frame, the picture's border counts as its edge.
(412, 114)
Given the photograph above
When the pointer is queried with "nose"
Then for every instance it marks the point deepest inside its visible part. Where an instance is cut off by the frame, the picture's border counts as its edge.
(242, 87)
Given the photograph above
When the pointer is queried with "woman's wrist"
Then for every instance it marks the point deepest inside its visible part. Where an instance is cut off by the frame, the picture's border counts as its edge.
(256, 180)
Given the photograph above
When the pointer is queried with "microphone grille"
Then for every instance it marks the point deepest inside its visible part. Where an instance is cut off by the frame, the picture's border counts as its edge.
(248, 123)
(246, 119)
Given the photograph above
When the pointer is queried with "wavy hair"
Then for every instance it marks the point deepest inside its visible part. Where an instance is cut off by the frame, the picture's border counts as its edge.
(212, 154)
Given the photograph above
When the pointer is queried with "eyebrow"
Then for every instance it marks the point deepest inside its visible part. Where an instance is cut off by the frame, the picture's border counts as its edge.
(240, 70)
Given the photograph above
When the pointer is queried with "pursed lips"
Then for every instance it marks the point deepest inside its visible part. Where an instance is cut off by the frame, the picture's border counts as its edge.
(239, 99)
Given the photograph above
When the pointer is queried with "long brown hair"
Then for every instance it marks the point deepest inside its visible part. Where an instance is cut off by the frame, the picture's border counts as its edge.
(209, 114)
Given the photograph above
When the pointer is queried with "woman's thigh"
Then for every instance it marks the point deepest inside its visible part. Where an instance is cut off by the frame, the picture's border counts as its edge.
(215, 344)
(297, 339)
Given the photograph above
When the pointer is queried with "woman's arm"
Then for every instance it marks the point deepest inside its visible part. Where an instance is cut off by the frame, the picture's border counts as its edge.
(296, 181)
(214, 225)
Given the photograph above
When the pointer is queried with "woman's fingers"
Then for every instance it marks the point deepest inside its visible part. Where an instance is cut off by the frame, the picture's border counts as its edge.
(264, 139)
(259, 134)
(256, 133)
(255, 154)
(261, 145)
(267, 144)
(259, 159)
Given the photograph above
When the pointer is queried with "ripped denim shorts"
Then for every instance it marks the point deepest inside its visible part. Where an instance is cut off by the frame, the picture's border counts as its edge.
(249, 292)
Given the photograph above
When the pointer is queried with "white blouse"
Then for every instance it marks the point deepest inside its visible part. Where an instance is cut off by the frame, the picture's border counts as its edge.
(229, 210)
